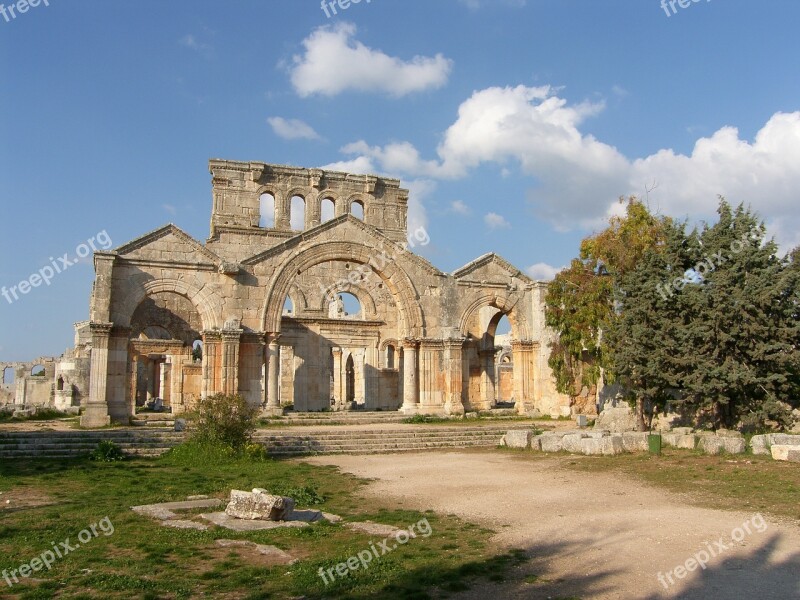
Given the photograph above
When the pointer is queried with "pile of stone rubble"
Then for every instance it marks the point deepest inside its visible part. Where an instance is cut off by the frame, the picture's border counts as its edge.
(603, 442)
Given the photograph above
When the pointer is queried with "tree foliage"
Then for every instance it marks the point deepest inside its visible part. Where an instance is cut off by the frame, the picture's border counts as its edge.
(709, 324)
(579, 304)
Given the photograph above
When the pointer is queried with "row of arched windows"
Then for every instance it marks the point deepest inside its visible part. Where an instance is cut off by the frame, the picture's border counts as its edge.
(297, 211)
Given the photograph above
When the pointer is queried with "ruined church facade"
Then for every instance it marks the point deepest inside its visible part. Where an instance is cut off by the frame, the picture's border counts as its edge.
(257, 309)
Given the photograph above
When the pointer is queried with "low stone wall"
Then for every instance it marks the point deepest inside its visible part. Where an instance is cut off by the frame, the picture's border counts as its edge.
(604, 442)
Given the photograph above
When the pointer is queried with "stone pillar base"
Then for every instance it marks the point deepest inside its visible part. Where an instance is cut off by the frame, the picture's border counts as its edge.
(408, 410)
(271, 412)
(95, 415)
(454, 408)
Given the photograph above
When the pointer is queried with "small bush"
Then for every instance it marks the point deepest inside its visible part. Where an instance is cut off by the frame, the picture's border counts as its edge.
(227, 421)
(303, 496)
(256, 452)
(107, 451)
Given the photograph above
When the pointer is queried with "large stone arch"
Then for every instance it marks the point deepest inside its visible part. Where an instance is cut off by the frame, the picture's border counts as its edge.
(396, 280)
(203, 300)
(504, 303)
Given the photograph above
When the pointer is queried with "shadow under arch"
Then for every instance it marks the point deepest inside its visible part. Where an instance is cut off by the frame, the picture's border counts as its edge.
(203, 301)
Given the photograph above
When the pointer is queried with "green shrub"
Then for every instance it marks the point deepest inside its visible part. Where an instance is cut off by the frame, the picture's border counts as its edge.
(107, 451)
(227, 421)
(303, 496)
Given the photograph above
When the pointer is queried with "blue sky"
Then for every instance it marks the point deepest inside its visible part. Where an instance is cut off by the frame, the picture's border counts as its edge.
(514, 123)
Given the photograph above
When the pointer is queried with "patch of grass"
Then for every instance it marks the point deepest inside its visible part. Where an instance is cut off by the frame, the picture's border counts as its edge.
(729, 482)
(42, 414)
(142, 559)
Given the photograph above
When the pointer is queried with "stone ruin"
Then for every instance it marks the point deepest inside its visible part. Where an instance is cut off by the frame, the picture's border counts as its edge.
(257, 310)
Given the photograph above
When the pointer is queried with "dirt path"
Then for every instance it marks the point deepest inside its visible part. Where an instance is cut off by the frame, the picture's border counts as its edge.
(598, 536)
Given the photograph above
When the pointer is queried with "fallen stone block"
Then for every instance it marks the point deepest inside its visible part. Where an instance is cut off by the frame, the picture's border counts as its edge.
(670, 439)
(687, 442)
(519, 438)
(259, 505)
(572, 443)
(166, 510)
(598, 433)
(784, 452)
(607, 446)
(224, 520)
(784, 439)
(682, 430)
(759, 444)
(635, 441)
(551, 443)
(184, 524)
(729, 433)
(717, 445)
(272, 552)
(373, 528)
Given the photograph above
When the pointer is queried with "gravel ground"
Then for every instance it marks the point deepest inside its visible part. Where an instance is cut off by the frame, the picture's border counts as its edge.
(598, 536)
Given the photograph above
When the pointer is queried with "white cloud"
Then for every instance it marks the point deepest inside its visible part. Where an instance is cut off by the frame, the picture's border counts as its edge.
(579, 178)
(170, 209)
(494, 221)
(361, 165)
(460, 208)
(542, 271)
(335, 62)
(292, 129)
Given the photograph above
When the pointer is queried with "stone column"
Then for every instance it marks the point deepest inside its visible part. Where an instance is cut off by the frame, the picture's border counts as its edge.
(96, 409)
(134, 382)
(337, 378)
(454, 376)
(523, 375)
(211, 343)
(410, 389)
(273, 405)
(486, 358)
(230, 361)
(282, 210)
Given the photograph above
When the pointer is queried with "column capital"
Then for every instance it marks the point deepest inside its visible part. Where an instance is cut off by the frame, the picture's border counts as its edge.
(100, 328)
(410, 343)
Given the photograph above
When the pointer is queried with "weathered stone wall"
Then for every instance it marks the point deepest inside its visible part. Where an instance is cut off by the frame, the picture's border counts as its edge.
(156, 296)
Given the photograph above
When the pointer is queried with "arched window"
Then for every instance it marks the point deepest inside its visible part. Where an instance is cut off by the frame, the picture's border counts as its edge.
(8, 376)
(327, 210)
(344, 306)
(357, 209)
(288, 306)
(37, 371)
(297, 214)
(60, 384)
(267, 208)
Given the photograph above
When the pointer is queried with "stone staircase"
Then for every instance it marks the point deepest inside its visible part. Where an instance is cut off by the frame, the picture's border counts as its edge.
(381, 440)
(372, 435)
(75, 444)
